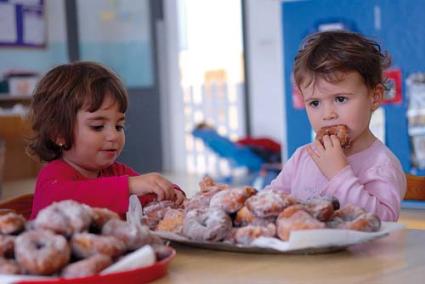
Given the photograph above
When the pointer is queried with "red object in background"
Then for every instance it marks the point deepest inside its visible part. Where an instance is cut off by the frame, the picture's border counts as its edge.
(265, 143)
(138, 275)
(393, 95)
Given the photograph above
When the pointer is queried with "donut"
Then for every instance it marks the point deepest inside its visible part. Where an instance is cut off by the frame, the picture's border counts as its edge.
(206, 224)
(64, 217)
(299, 220)
(340, 131)
(200, 200)
(86, 267)
(84, 245)
(155, 212)
(268, 203)
(162, 251)
(208, 184)
(321, 209)
(100, 216)
(172, 221)
(133, 236)
(245, 235)
(355, 218)
(11, 223)
(41, 252)
(232, 199)
(9, 266)
(245, 217)
(7, 245)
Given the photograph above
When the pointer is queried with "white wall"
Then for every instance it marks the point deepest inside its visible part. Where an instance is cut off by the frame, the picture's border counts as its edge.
(265, 78)
(264, 52)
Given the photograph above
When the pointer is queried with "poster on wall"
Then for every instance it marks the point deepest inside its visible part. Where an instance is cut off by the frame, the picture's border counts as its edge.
(22, 23)
(393, 87)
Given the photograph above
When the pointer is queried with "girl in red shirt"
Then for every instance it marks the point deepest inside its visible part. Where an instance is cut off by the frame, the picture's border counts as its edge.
(78, 118)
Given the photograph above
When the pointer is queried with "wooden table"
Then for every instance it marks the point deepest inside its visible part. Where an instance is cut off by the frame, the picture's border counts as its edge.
(397, 258)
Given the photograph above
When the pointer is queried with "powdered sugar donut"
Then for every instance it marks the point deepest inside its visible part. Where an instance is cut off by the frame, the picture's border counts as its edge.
(41, 252)
(206, 224)
(64, 217)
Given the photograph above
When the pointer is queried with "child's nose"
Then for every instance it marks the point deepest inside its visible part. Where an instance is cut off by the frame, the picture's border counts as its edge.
(329, 113)
(112, 134)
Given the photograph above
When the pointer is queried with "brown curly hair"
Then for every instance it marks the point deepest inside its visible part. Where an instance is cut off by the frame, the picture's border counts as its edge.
(329, 54)
(59, 95)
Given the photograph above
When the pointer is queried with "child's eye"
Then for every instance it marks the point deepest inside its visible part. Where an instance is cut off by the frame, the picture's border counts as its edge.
(341, 99)
(120, 127)
(314, 104)
(96, 127)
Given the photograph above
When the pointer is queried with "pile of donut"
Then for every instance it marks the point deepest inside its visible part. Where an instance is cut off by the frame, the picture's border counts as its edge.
(239, 215)
(69, 239)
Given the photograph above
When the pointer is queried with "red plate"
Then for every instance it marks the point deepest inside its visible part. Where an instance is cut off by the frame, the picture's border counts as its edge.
(139, 275)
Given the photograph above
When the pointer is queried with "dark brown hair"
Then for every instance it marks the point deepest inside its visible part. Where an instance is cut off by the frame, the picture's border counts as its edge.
(332, 53)
(59, 95)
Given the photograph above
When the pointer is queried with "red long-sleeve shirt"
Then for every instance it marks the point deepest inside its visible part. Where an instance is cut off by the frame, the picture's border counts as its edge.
(58, 180)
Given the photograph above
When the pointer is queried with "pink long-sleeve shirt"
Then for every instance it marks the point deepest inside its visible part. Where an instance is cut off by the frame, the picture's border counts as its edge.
(58, 180)
(373, 180)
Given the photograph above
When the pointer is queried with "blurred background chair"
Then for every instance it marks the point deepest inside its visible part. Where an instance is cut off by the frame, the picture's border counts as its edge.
(21, 204)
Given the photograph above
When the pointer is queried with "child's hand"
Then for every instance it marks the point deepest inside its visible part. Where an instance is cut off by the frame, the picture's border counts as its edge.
(155, 183)
(329, 157)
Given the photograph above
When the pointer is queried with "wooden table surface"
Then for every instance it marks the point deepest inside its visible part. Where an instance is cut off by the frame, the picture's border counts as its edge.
(397, 258)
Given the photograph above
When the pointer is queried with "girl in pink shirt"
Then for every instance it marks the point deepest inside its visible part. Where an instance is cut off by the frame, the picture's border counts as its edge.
(340, 77)
(78, 118)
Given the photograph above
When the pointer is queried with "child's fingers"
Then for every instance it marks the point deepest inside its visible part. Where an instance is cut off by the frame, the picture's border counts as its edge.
(335, 141)
(318, 146)
(312, 153)
(179, 197)
(327, 142)
(160, 193)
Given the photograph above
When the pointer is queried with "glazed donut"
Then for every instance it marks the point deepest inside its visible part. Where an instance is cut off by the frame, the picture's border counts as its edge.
(299, 220)
(321, 209)
(155, 212)
(268, 203)
(162, 251)
(7, 246)
(340, 131)
(172, 221)
(9, 266)
(41, 252)
(200, 200)
(64, 217)
(245, 217)
(207, 224)
(355, 218)
(84, 245)
(232, 199)
(86, 267)
(246, 235)
(208, 184)
(11, 223)
(133, 236)
(100, 216)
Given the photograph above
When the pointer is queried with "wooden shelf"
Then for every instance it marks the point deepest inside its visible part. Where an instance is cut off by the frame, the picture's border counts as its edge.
(14, 130)
(7, 100)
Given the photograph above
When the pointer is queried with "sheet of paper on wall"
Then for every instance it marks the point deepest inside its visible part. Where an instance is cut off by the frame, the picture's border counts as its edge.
(8, 32)
(34, 29)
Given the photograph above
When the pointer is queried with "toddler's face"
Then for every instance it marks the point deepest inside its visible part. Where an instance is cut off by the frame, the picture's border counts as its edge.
(347, 101)
(99, 138)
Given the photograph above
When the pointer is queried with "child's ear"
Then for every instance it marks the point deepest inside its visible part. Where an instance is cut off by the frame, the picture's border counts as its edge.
(60, 141)
(377, 96)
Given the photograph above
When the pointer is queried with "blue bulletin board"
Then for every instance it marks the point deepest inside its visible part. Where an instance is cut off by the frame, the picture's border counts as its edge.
(22, 23)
